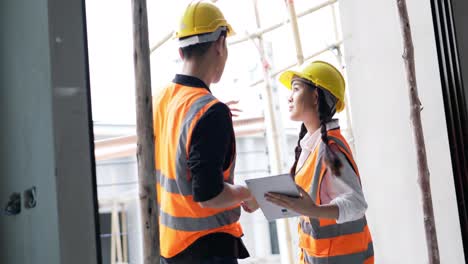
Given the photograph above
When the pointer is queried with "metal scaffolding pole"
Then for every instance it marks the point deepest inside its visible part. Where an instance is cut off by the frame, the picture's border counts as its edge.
(274, 138)
(339, 56)
(295, 29)
(162, 41)
(275, 73)
(260, 32)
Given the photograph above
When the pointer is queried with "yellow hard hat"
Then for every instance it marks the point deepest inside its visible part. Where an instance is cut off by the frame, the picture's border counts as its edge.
(323, 75)
(200, 18)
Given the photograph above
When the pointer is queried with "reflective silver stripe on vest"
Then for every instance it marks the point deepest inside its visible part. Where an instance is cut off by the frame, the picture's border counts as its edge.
(181, 185)
(200, 224)
(316, 178)
(169, 185)
(340, 143)
(355, 258)
(185, 186)
(312, 227)
(343, 145)
(330, 231)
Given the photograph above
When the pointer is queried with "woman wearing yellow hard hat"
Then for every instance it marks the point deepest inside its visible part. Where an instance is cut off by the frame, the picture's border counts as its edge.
(333, 227)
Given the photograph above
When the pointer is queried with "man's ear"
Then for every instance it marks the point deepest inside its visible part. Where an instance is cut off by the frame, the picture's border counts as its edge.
(219, 44)
(181, 54)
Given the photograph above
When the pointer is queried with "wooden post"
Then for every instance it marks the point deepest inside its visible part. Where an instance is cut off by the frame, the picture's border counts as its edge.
(116, 232)
(123, 214)
(415, 106)
(145, 142)
(113, 238)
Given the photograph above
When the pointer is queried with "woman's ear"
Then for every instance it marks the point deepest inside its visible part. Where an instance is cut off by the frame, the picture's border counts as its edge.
(315, 96)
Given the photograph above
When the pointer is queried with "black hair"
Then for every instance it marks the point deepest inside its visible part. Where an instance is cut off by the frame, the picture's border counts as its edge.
(198, 50)
(325, 112)
(298, 149)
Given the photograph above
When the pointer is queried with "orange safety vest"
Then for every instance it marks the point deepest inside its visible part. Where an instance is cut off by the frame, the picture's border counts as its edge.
(177, 110)
(323, 240)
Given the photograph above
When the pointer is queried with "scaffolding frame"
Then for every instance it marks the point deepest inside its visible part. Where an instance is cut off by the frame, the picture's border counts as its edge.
(128, 143)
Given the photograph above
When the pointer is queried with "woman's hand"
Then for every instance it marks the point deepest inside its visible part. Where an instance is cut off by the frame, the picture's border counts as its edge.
(250, 206)
(302, 205)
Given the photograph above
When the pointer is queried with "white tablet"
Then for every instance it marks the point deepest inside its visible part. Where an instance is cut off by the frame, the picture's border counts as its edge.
(283, 184)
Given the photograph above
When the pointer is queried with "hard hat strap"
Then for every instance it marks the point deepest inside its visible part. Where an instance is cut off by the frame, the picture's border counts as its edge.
(330, 100)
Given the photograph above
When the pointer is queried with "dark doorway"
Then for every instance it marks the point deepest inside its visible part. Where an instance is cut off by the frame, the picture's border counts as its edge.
(451, 32)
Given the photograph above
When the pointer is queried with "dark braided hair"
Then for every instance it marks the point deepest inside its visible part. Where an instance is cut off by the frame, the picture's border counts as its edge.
(298, 149)
(325, 113)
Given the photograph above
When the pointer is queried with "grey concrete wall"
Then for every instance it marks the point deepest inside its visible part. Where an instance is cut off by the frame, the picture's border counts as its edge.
(74, 155)
(27, 153)
(45, 135)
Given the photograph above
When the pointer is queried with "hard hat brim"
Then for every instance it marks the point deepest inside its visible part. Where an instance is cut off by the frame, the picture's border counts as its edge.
(286, 78)
(230, 31)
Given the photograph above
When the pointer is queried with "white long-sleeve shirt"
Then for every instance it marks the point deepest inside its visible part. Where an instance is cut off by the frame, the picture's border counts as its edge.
(344, 191)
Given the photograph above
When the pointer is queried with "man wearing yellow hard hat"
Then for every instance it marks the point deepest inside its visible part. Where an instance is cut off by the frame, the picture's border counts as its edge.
(195, 150)
(332, 226)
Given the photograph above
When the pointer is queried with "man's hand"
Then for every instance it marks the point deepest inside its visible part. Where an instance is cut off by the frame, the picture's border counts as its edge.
(234, 111)
(250, 206)
(232, 195)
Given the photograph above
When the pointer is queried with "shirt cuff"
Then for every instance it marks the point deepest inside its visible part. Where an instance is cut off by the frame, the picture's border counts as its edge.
(346, 211)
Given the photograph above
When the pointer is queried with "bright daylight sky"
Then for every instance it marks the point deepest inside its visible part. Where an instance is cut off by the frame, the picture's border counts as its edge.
(110, 44)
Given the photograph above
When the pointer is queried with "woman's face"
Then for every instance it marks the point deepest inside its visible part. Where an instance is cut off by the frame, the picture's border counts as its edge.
(302, 101)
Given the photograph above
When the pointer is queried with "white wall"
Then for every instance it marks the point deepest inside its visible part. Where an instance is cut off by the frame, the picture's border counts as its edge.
(384, 141)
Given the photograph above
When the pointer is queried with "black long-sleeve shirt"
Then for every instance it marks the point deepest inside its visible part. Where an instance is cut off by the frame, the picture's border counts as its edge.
(211, 152)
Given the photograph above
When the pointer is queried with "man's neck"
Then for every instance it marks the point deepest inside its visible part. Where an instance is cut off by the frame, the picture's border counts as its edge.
(198, 69)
